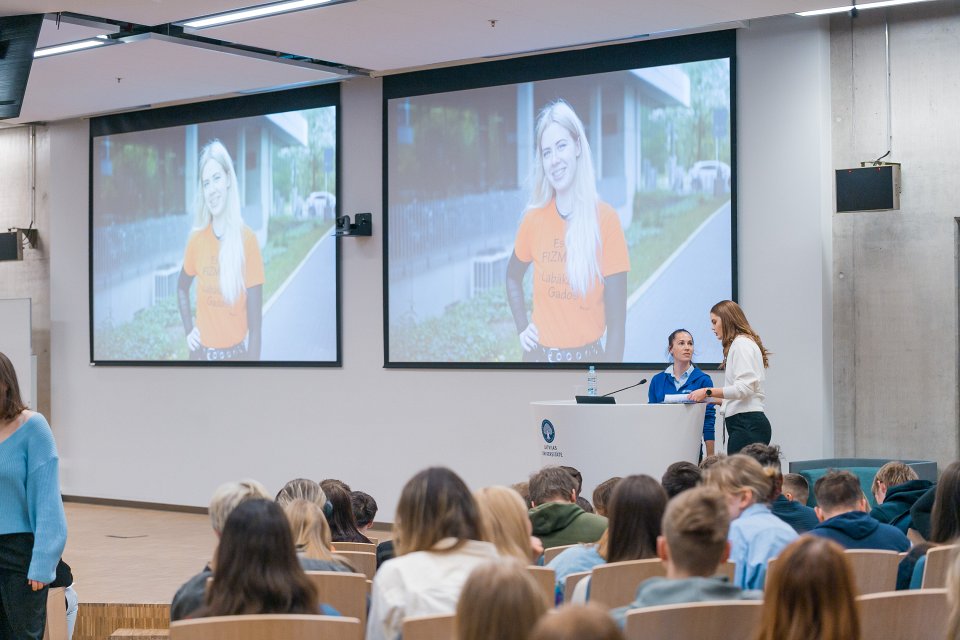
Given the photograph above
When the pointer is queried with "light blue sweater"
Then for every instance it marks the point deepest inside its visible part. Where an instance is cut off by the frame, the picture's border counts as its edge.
(30, 494)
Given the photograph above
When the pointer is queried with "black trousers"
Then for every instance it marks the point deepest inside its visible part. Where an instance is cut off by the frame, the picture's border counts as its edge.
(746, 428)
(23, 612)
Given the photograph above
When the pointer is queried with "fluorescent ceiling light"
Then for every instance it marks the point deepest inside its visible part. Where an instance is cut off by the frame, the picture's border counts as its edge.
(866, 5)
(255, 12)
(79, 45)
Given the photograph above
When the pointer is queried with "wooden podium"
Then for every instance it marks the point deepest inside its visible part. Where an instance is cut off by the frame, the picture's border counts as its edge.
(607, 440)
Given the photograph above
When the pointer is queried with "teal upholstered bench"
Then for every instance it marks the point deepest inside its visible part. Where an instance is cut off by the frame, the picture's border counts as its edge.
(864, 468)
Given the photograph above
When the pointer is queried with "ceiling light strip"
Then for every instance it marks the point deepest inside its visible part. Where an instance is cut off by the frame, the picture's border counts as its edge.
(866, 5)
(256, 12)
(70, 47)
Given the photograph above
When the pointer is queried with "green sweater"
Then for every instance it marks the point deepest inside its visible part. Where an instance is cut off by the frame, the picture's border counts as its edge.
(562, 523)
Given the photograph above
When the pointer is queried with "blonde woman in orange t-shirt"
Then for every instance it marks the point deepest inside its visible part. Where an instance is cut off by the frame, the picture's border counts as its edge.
(224, 256)
(578, 250)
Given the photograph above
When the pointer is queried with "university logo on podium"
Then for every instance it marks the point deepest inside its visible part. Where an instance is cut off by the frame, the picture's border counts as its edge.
(549, 433)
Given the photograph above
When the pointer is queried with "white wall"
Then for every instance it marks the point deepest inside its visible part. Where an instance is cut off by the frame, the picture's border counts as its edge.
(171, 435)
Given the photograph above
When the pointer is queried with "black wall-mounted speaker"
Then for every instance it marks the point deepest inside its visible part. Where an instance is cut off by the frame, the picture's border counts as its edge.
(868, 188)
(11, 247)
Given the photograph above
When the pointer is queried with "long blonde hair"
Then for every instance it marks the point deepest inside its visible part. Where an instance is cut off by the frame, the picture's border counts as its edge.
(506, 521)
(733, 323)
(311, 533)
(499, 600)
(231, 242)
(583, 228)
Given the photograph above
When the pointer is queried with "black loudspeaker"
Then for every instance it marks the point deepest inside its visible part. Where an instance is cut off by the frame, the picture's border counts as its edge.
(875, 188)
(11, 246)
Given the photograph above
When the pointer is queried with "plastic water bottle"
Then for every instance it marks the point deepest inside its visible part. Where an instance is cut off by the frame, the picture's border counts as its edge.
(592, 382)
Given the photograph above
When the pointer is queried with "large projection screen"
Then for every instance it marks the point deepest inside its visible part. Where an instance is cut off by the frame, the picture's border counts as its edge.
(211, 233)
(561, 210)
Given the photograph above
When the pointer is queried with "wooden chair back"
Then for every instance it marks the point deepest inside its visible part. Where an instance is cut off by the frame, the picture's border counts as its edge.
(874, 570)
(432, 627)
(266, 627)
(553, 552)
(722, 620)
(938, 561)
(570, 584)
(56, 628)
(355, 546)
(899, 615)
(361, 561)
(615, 584)
(547, 580)
(345, 592)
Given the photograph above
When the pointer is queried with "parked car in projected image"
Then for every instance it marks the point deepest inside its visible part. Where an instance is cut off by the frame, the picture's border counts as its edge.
(709, 176)
(319, 204)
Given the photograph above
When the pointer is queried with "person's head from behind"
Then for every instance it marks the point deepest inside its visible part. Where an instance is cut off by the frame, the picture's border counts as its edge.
(505, 521)
(601, 495)
(364, 509)
(576, 476)
(890, 475)
(311, 533)
(523, 490)
(343, 527)
(680, 346)
(709, 461)
(577, 622)
(330, 482)
(679, 477)
(945, 516)
(552, 484)
(742, 481)
(9, 391)
(435, 504)
(768, 455)
(499, 600)
(694, 538)
(838, 492)
(229, 496)
(301, 489)
(796, 488)
(256, 568)
(810, 593)
(635, 512)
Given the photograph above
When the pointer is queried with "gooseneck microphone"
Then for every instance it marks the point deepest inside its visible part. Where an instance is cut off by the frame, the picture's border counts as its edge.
(642, 381)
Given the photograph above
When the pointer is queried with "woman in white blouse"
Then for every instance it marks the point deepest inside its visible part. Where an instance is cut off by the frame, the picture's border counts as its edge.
(439, 540)
(744, 359)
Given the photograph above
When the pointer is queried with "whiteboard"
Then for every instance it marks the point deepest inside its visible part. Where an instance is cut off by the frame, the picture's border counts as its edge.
(16, 343)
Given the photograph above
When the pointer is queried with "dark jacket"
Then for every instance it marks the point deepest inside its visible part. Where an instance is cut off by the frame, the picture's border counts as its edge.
(858, 530)
(562, 523)
(921, 511)
(799, 516)
(896, 505)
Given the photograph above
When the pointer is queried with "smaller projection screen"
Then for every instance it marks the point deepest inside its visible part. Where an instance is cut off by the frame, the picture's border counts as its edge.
(211, 233)
(561, 210)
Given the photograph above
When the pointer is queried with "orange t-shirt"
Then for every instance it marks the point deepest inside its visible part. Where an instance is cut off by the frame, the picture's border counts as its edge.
(221, 325)
(563, 319)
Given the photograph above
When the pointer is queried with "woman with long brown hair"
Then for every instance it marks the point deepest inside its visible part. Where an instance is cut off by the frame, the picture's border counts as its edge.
(33, 528)
(744, 359)
(810, 594)
(439, 539)
(499, 600)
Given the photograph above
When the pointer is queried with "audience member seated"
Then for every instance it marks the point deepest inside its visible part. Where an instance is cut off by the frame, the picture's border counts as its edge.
(343, 528)
(507, 524)
(709, 461)
(692, 546)
(944, 527)
(583, 502)
(810, 594)
(895, 488)
(311, 535)
(842, 510)
(501, 601)
(256, 567)
(189, 597)
(679, 477)
(439, 541)
(301, 489)
(799, 516)
(756, 535)
(577, 622)
(331, 482)
(523, 488)
(636, 511)
(557, 519)
(796, 488)
(364, 510)
(601, 495)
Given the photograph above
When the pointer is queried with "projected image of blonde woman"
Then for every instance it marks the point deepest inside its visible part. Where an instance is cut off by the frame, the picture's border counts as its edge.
(223, 255)
(578, 251)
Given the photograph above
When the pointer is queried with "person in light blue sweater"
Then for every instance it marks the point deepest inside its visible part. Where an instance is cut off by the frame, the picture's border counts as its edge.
(682, 377)
(33, 528)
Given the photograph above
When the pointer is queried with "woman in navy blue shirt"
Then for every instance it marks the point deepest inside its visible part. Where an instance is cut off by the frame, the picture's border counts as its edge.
(682, 377)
